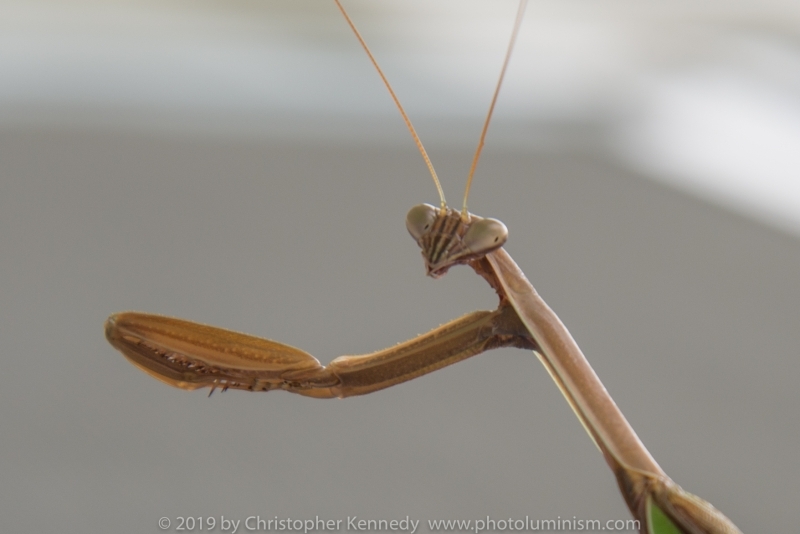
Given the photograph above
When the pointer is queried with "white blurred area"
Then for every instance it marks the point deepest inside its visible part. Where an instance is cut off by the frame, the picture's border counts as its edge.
(702, 95)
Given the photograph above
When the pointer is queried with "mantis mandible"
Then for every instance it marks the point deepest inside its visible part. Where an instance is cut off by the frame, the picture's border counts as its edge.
(190, 356)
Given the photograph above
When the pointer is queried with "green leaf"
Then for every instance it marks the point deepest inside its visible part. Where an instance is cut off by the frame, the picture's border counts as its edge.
(658, 522)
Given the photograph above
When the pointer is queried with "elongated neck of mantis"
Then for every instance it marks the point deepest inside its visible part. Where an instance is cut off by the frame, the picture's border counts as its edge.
(567, 365)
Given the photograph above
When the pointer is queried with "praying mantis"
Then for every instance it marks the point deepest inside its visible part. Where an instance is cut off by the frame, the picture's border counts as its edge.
(190, 356)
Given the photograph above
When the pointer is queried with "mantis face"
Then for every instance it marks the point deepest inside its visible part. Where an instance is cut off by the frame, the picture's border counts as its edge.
(449, 238)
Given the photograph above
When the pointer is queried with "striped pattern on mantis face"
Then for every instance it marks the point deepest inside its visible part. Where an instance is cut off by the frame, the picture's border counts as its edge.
(188, 355)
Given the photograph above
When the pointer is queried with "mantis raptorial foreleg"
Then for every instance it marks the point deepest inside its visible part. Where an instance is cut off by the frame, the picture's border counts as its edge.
(190, 355)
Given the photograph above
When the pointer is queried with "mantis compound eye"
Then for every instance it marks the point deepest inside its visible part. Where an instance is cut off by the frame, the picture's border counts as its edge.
(485, 235)
(420, 219)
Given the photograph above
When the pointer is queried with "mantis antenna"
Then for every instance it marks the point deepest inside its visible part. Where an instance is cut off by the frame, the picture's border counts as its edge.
(514, 32)
(399, 106)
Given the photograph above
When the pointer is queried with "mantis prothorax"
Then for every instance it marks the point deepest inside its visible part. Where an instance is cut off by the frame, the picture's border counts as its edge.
(190, 356)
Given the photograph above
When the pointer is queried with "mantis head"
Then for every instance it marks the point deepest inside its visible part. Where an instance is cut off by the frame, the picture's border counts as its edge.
(447, 238)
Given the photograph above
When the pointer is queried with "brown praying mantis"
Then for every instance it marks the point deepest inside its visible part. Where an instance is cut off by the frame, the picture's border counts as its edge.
(190, 356)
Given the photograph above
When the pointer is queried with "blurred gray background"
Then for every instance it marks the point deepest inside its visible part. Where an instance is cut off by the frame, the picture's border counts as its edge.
(238, 163)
